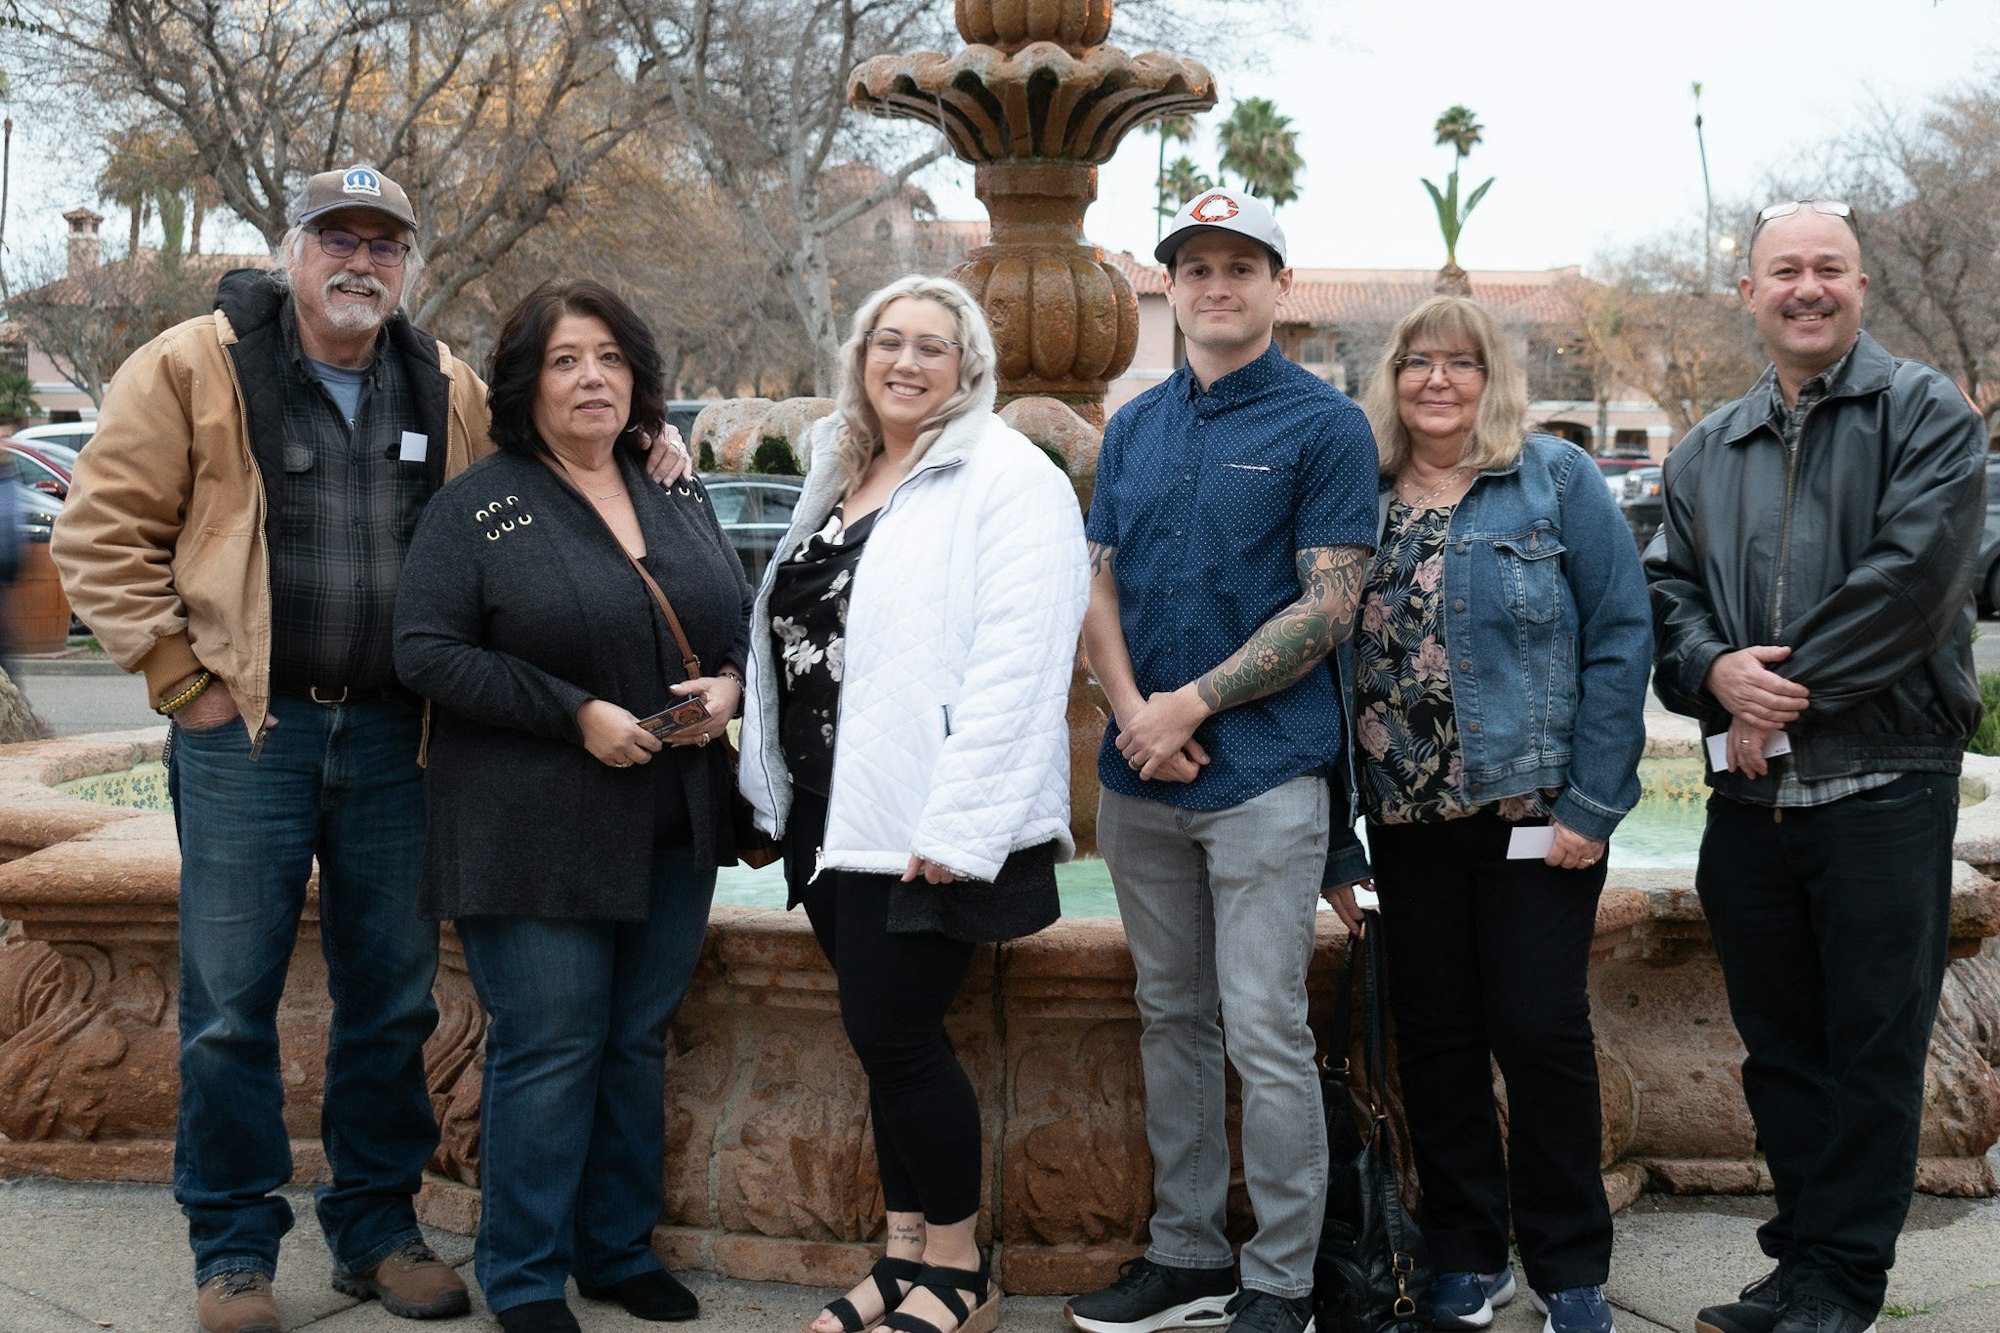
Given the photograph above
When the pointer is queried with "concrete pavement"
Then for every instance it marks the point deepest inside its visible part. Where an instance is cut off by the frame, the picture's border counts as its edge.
(79, 693)
(81, 1258)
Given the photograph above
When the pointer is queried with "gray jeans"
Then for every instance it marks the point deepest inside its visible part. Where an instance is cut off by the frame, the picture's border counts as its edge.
(1218, 909)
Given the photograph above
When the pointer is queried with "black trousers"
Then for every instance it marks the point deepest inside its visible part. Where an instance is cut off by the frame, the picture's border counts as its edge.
(1488, 960)
(894, 991)
(1832, 924)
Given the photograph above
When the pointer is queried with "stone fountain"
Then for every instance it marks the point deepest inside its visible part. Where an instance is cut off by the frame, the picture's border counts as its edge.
(1036, 102)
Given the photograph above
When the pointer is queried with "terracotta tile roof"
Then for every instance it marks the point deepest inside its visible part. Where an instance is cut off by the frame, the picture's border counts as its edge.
(1350, 297)
(127, 277)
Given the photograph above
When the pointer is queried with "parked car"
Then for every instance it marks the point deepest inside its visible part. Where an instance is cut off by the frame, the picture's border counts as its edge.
(1615, 466)
(754, 509)
(41, 466)
(38, 514)
(1641, 502)
(72, 435)
(1987, 585)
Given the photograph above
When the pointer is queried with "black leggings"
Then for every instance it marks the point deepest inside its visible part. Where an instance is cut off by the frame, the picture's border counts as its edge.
(894, 991)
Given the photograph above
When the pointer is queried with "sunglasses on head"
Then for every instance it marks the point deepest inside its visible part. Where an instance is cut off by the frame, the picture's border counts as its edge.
(1833, 208)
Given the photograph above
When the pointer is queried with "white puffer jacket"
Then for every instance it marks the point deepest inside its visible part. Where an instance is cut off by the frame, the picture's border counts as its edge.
(961, 631)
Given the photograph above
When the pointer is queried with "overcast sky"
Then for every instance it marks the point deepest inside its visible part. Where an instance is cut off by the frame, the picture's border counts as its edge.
(1587, 110)
(1585, 103)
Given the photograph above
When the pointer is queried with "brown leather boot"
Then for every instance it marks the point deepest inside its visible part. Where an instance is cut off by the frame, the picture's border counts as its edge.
(412, 1282)
(238, 1301)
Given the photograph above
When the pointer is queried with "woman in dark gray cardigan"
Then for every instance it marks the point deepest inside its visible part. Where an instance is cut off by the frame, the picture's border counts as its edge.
(574, 848)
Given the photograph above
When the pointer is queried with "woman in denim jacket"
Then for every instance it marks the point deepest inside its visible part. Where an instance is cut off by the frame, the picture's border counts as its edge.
(1499, 684)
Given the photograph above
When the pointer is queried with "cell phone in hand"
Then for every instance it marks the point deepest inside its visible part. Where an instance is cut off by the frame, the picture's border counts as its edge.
(689, 712)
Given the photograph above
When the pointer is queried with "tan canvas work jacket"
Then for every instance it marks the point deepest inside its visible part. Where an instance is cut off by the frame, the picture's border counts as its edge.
(162, 542)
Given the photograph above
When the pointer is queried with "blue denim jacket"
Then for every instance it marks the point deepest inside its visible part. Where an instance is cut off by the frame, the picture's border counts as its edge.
(1550, 641)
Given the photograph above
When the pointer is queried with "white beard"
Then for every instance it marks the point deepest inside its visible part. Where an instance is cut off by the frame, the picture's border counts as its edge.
(351, 318)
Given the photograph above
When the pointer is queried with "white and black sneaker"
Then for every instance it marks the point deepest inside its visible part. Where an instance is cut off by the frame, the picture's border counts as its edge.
(1149, 1296)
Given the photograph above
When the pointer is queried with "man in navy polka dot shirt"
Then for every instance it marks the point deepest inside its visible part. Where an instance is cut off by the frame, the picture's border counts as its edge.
(1230, 529)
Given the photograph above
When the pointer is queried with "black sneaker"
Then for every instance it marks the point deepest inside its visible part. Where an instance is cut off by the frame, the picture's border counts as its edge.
(1755, 1310)
(1817, 1314)
(1261, 1312)
(1149, 1296)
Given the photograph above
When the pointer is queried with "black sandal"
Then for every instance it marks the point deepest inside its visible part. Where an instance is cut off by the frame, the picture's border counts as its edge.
(887, 1273)
(945, 1284)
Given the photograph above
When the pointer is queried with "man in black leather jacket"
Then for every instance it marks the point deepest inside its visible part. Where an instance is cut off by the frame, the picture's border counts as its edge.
(1813, 586)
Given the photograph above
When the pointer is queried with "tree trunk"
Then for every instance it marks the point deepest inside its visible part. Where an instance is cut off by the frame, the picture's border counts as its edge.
(816, 277)
(1452, 281)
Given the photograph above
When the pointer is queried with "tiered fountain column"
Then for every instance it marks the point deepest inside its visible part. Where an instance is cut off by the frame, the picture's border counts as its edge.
(1036, 102)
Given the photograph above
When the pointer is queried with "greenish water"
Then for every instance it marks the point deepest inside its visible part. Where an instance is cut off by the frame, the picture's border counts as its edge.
(1664, 830)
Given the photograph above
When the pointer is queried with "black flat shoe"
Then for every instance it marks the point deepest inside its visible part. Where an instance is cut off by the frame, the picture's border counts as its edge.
(538, 1317)
(657, 1295)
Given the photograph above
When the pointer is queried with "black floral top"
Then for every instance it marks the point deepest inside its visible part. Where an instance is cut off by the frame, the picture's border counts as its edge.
(1411, 765)
(809, 629)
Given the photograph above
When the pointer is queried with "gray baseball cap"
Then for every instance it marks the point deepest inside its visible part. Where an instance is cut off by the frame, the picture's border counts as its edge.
(356, 187)
(1222, 210)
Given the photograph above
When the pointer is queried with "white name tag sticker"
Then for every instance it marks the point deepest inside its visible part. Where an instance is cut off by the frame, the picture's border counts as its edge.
(1718, 748)
(1531, 843)
(415, 448)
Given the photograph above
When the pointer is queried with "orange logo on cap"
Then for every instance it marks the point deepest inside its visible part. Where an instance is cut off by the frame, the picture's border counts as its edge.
(1214, 208)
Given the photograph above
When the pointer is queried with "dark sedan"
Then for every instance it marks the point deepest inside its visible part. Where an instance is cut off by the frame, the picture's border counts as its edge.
(754, 509)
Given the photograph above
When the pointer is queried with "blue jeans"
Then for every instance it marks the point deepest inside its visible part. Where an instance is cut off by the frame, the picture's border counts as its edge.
(340, 784)
(572, 1121)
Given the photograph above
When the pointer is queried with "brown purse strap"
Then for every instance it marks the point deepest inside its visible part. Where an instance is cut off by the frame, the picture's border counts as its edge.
(689, 662)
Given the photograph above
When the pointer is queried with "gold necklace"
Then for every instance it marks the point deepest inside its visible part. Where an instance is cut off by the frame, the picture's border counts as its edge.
(571, 474)
(1425, 497)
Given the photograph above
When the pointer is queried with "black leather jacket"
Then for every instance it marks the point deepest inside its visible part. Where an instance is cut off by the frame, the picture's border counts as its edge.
(1856, 551)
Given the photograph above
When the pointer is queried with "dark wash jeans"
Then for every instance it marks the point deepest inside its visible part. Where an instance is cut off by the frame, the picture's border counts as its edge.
(1832, 924)
(339, 783)
(1489, 960)
(572, 1122)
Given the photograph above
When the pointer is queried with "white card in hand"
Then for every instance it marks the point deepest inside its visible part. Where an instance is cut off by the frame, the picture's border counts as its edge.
(1531, 842)
(415, 447)
(1718, 748)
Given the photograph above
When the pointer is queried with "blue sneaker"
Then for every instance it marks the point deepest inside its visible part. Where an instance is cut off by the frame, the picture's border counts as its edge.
(1468, 1300)
(1576, 1310)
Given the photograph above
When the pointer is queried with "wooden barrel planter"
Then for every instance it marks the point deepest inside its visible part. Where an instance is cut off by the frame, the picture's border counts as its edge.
(37, 610)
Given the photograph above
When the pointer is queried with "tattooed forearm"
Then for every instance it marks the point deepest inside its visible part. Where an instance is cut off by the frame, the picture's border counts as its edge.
(1299, 637)
(1100, 557)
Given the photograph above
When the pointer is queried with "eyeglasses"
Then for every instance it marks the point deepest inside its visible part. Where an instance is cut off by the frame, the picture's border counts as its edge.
(342, 245)
(887, 347)
(1833, 208)
(1459, 369)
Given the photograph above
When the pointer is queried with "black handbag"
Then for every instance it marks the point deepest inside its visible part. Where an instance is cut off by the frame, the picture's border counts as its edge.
(1373, 1271)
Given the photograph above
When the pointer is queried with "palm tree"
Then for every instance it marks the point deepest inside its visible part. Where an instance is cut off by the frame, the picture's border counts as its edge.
(1462, 130)
(1178, 129)
(131, 175)
(1180, 182)
(1262, 148)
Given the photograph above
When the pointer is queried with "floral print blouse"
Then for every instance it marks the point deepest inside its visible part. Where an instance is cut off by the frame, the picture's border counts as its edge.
(809, 630)
(1411, 766)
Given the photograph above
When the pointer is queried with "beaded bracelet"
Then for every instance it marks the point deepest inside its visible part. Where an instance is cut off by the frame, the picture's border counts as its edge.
(202, 680)
(742, 686)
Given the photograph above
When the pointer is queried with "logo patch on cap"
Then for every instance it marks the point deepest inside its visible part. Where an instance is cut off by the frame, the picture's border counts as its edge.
(361, 180)
(1214, 208)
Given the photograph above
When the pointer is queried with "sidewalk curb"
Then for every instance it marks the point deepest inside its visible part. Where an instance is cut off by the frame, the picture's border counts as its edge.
(23, 668)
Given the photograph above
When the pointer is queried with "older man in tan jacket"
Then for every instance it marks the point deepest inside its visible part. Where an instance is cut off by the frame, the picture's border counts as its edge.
(235, 532)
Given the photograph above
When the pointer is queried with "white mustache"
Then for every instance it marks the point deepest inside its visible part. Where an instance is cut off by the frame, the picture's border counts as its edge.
(373, 284)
